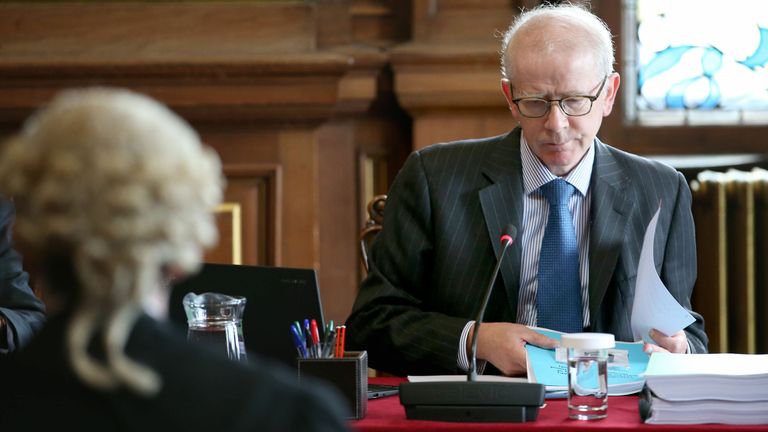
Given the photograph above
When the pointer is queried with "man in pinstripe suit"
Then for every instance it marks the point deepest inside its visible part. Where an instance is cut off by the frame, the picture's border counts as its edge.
(446, 209)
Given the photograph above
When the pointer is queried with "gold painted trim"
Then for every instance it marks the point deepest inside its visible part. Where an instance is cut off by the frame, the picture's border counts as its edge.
(237, 246)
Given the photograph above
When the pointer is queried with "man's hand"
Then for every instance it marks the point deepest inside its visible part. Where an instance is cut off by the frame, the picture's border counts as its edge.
(677, 343)
(503, 344)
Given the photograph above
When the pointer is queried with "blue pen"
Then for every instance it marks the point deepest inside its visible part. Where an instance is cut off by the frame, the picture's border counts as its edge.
(557, 394)
(308, 337)
(298, 341)
(297, 326)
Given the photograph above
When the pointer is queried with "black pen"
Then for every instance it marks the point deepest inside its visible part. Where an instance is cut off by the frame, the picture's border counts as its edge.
(329, 343)
(328, 329)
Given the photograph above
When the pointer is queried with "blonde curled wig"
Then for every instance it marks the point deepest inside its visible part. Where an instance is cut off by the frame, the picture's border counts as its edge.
(123, 187)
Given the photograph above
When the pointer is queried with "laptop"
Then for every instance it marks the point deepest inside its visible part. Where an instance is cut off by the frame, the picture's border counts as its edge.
(275, 298)
(376, 391)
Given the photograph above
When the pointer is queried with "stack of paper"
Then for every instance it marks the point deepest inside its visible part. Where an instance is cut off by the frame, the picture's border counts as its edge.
(626, 365)
(706, 388)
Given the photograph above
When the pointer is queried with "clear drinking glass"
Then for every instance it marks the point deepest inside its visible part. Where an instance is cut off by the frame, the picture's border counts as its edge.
(216, 319)
(588, 374)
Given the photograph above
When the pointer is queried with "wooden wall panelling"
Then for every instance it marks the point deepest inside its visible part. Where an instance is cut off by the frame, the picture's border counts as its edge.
(229, 248)
(345, 146)
(369, 23)
(250, 77)
(380, 23)
(338, 214)
(299, 159)
(383, 139)
(383, 145)
(249, 220)
(460, 21)
(451, 95)
(154, 31)
(447, 77)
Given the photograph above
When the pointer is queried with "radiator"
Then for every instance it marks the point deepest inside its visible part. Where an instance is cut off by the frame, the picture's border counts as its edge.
(731, 210)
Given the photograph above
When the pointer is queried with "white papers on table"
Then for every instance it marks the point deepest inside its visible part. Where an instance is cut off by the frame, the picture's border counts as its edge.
(661, 411)
(733, 377)
(706, 388)
(654, 306)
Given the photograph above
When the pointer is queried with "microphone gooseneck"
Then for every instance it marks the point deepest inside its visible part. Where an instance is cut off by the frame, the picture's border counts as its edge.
(507, 238)
(472, 400)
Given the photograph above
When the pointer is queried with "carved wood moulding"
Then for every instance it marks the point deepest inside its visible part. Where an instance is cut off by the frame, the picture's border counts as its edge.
(452, 62)
(430, 78)
(242, 62)
(271, 88)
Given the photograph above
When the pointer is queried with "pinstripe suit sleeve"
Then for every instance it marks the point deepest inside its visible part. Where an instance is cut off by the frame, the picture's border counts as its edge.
(679, 268)
(389, 318)
(622, 212)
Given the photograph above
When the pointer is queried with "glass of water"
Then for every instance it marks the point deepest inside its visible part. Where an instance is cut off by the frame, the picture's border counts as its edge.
(588, 374)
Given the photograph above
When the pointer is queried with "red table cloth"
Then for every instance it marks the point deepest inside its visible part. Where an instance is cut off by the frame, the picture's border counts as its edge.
(387, 414)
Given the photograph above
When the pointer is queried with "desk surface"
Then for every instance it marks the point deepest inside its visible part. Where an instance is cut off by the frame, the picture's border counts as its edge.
(387, 414)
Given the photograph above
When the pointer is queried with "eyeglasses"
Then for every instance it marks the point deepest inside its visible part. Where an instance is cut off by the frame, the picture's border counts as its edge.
(574, 106)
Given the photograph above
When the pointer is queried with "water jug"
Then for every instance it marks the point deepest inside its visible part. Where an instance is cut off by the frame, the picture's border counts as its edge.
(216, 319)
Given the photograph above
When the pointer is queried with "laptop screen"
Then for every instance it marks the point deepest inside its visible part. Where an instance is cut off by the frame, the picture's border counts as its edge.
(275, 298)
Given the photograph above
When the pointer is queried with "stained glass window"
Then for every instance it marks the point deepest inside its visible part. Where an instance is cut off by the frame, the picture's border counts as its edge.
(697, 61)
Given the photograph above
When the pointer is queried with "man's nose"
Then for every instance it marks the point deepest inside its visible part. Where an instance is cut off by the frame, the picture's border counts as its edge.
(556, 119)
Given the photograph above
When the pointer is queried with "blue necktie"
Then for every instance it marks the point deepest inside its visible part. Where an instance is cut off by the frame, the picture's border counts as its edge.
(558, 296)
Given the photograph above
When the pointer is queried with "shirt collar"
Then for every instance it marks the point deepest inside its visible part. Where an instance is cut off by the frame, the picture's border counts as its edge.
(536, 174)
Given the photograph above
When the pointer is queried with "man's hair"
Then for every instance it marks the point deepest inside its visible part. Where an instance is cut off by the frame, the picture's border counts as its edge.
(589, 31)
(123, 188)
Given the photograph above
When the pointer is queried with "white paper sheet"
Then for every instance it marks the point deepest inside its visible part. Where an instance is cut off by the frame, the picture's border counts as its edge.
(654, 306)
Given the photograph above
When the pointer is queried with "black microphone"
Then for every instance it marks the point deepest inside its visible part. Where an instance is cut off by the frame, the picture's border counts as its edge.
(507, 238)
(472, 400)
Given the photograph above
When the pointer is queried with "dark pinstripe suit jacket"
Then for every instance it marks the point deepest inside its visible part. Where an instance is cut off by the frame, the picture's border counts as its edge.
(444, 215)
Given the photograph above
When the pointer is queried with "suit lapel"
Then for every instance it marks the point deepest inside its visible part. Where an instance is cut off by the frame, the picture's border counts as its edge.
(610, 213)
(502, 204)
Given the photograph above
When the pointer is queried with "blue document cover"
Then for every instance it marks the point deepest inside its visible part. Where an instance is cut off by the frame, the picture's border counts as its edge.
(626, 366)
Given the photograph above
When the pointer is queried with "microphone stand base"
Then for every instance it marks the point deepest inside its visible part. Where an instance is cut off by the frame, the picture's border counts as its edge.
(472, 401)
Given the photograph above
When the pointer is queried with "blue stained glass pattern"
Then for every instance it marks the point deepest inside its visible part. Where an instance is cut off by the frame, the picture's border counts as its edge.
(696, 54)
(760, 56)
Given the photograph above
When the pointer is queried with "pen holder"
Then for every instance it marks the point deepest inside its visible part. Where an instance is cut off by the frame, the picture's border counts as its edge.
(349, 374)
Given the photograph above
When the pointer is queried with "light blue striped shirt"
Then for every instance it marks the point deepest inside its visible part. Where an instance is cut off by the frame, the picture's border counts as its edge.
(535, 213)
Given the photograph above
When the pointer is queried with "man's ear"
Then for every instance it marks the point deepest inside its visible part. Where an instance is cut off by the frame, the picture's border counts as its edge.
(611, 91)
(506, 88)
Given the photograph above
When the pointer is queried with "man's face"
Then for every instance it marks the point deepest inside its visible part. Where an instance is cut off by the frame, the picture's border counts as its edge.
(559, 140)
